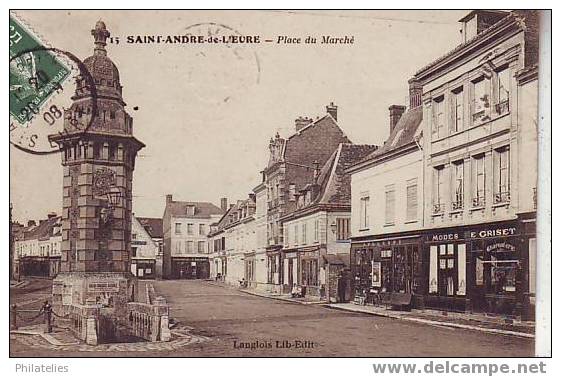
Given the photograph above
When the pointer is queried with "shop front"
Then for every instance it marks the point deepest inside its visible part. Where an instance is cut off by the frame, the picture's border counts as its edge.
(290, 269)
(274, 270)
(388, 266)
(310, 271)
(143, 268)
(39, 266)
(249, 269)
(190, 268)
(482, 268)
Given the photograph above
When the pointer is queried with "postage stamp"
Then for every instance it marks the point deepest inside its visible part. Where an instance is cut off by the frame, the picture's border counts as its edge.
(36, 74)
(42, 85)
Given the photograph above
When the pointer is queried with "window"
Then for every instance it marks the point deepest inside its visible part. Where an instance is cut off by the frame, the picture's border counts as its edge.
(502, 175)
(503, 91)
(189, 228)
(190, 245)
(364, 210)
(296, 234)
(201, 246)
(478, 181)
(458, 185)
(343, 231)
(438, 117)
(178, 247)
(133, 236)
(480, 102)
(316, 230)
(438, 189)
(458, 109)
(286, 236)
(390, 205)
(202, 230)
(133, 252)
(411, 192)
(177, 228)
(304, 238)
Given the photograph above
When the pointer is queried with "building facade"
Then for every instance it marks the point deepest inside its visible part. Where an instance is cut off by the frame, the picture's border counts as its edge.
(146, 247)
(387, 197)
(37, 248)
(260, 268)
(186, 226)
(445, 212)
(290, 167)
(480, 106)
(317, 233)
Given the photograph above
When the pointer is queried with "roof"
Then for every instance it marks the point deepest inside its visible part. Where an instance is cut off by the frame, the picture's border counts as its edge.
(337, 188)
(153, 225)
(405, 131)
(46, 228)
(333, 184)
(203, 210)
(522, 18)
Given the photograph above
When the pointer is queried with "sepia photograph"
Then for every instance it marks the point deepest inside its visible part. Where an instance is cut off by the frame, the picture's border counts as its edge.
(279, 183)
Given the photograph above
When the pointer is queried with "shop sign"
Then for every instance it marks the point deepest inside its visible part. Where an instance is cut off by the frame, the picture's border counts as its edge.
(500, 246)
(138, 242)
(103, 286)
(489, 232)
(291, 255)
(497, 232)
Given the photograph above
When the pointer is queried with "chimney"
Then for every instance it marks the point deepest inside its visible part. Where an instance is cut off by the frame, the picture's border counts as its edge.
(302, 122)
(415, 93)
(396, 111)
(477, 21)
(332, 110)
(31, 223)
(169, 198)
(224, 204)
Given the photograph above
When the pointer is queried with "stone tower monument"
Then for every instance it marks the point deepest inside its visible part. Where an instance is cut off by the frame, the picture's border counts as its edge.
(98, 155)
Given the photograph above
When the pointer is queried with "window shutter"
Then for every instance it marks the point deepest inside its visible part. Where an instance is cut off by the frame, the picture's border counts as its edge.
(411, 202)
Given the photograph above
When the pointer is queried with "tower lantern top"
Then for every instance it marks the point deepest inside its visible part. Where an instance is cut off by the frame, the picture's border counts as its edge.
(100, 34)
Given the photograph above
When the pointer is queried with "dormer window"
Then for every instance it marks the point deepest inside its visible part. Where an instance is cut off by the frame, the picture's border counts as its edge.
(292, 192)
(190, 210)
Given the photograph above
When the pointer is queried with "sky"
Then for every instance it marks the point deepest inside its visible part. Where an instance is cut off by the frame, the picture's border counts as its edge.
(206, 112)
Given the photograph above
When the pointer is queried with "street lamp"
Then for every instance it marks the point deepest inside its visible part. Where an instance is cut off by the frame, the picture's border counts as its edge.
(113, 196)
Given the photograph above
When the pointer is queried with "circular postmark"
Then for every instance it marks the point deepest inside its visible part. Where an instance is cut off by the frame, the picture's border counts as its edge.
(42, 98)
(221, 67)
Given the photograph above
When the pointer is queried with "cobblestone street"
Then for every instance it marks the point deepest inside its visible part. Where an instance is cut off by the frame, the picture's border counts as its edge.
(216, 321)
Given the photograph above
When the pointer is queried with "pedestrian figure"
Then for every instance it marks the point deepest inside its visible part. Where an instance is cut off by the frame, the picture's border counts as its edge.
(46, 310)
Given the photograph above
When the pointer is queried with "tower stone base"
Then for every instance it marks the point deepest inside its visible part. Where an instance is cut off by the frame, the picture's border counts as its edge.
(108, 290)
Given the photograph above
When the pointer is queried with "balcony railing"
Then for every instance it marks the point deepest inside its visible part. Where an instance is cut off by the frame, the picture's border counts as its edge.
(457, 205)
(478, 202)
(438, 208)
(502, 107)
(478, 116)
(502, 197)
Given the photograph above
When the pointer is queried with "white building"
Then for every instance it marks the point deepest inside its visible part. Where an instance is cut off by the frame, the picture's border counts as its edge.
(387, 204)
(37, 251)
(146, 247)
(186, 226)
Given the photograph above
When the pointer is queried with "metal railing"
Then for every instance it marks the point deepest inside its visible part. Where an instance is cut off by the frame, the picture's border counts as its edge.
(502, 197)
(478, 201)
(438, 208)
